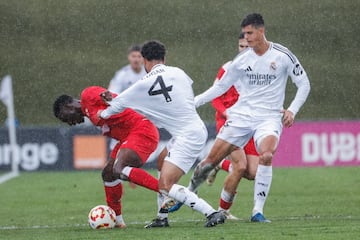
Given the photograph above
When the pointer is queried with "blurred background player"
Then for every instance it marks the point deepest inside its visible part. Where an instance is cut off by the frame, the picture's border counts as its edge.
(136, 139)
(127, 75)
(130, 73)
(166, 97)
(220, 104)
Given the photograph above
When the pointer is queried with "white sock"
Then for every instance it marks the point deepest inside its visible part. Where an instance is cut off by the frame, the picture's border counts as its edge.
(226, 196)
(119, 219)
(182, 194)
(261, 187)
(160, 200)
(126, 171)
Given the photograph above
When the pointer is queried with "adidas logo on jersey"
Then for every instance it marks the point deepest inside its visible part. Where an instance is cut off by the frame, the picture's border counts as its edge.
(248, 69)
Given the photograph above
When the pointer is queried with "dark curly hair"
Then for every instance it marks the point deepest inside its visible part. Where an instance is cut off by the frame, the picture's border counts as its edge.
(60, 102)
(153, 50)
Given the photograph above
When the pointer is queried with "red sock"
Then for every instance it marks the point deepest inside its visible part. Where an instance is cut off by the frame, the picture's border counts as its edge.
(113, 197)
(225, 205)
(225, 165)
(226, 199)
(143, 178)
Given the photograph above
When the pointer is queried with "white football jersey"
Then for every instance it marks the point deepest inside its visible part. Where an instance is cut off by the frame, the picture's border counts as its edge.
(165, 96)
(261, 82)
(124, 78)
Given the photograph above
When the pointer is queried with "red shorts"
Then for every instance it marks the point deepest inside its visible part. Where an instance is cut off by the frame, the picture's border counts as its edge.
(250, 148)
(219, 123)
(143, 139)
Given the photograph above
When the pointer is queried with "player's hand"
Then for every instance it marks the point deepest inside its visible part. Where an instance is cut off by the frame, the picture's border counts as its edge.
(98, 114)
(288, 118)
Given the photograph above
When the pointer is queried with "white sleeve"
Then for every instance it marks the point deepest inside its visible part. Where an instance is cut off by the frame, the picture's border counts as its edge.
(303, 90)
(117, 82)
(231, 75)
(115, 107)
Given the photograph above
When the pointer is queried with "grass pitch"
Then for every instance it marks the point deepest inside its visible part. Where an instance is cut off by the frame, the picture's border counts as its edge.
(304, 203)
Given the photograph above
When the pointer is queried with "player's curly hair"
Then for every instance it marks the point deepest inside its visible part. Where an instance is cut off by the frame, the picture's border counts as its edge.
(254, 19)
(153, 50)
(60, 102)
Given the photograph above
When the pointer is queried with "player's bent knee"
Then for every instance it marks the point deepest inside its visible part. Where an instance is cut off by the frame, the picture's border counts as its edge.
(107, 175)
(249, 176)
(266, 158)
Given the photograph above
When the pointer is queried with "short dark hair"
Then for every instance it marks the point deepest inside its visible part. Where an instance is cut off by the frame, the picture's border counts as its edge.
(60, 102)
(153, 50)
(134, 48)
(254, 19)
(242, 35)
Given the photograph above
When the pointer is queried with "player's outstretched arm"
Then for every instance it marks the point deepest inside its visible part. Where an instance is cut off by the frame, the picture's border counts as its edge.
(115, 107)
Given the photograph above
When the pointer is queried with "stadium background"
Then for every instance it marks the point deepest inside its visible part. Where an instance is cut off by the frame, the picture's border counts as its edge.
(55, 47)
(51, 47)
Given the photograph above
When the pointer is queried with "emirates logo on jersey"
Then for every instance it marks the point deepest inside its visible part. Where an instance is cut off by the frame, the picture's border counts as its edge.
(273, 66)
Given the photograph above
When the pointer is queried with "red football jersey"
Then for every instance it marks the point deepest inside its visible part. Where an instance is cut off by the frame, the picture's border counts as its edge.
(128, 127)
(224, 101)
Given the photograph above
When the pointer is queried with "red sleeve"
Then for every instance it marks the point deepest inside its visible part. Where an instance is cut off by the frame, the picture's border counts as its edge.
(217, 103)
(91, 103)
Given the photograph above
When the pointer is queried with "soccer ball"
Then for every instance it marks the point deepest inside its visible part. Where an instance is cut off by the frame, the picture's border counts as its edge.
(102, 217)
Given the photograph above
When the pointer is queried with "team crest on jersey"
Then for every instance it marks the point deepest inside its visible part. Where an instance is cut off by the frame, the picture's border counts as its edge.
(273, 66)
(298, 70)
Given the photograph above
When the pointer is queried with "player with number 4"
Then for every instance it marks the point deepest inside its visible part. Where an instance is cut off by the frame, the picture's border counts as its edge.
(165, 96)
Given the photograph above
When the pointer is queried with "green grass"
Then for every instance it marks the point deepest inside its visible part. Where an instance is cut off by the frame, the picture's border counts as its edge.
(304, 203)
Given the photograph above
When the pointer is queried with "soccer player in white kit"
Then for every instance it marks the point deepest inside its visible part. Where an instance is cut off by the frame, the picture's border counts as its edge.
(260, 75)
(165, 96)
(129, 74)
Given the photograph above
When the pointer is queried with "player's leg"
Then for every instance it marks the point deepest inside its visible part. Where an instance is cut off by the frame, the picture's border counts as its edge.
(167, 184)
(161, 219)
(113, 191)
(219, 151)
(226, 141)
(263, 179)
(182, 153)
(134, 152)
(232, 180)
(252, 165)
(128, 164)
(225, 165)
(252, 158)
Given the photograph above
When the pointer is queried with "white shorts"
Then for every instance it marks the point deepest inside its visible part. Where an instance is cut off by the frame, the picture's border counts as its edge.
(259, 129)
(184, 150)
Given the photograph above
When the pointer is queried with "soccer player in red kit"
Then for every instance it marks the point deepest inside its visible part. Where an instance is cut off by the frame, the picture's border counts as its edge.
(220, 104)
(137, 139)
